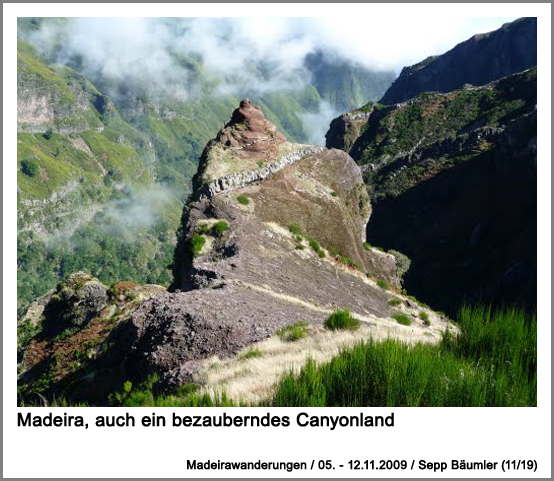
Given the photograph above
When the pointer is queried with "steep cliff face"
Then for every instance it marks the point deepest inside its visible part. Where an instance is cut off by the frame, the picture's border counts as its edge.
(453, 183)
(263, 253)
(477, 61)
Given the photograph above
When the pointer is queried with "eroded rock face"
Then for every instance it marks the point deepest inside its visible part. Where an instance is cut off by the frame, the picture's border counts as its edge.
(264, 271)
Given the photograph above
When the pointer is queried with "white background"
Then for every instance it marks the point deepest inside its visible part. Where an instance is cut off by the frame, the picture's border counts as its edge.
(433, 434)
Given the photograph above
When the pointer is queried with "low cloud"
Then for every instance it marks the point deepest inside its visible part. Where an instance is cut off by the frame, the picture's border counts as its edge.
(159, 55)
(139, 209)
(316, 124)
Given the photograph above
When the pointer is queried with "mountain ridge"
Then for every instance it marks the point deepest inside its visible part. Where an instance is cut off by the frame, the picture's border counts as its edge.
(477, 61)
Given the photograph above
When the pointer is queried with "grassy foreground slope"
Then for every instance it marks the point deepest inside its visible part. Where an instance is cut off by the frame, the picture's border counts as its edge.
(492, 362)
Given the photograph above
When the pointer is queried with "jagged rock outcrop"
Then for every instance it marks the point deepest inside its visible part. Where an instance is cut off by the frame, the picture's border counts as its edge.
(452, 179)
(76, 301)
(477, 61)
(345, 129)
(253, 257)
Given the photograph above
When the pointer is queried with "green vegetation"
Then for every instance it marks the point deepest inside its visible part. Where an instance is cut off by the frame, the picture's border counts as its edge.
(334, 194)
(243, 200)
(436, 118)
(203, 229)
(382, 284)
(219, 228)
(295, 229)
(316, 247)
(142, 395)
(422, 304)
(196, 244)
(367, 246)
(402, 261)
(395, 301)
(251, 354)
(425, 318)
(111, 254)
(29, 168)
(402, 319)
(293, 333)
(112, 148)
(342, 319)
(347, 261)
(493, 362)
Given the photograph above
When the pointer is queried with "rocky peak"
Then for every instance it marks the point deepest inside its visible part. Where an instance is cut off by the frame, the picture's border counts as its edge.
(250, 133)
(247, 150)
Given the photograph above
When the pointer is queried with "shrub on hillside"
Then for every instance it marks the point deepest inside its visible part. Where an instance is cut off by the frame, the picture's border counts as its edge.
(29, 168)
(402, 319)
(293, 333)
(425, 318)
(342, 319)
(295, 229)
(242, 199)
(196, 244)
(219, 228)
(403, 262)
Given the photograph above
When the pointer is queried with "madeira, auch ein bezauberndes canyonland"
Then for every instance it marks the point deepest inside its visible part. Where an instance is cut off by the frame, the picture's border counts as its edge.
(394, 265)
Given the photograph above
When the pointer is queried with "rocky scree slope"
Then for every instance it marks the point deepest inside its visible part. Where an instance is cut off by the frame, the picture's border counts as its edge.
(477, 61)
(251, 259)
(453, 182)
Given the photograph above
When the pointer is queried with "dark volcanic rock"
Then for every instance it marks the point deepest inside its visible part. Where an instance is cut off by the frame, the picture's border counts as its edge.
(471, 230)
(173, 333)
(477, 61)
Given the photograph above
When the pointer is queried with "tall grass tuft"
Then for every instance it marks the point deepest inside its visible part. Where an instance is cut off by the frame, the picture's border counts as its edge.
(196, 244)
(293, 333)
(342, 319)
(491, 363)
